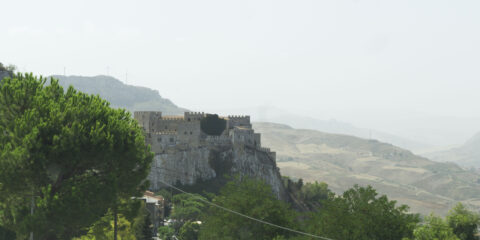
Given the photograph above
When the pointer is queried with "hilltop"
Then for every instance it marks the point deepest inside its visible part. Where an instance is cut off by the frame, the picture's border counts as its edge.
(120, 95)
(342, 161)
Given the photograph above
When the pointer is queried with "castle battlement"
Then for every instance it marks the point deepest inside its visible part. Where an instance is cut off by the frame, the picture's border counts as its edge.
(264, 149)
(194, 113)
(172, 118)
(238, 117)
(186, 129)
(171, 132)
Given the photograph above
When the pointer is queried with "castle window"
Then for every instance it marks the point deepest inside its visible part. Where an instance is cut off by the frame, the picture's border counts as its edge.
(190, 132)
(171, 140)
(185, 132)
(189, 119)
(165, 127)
(159, 139)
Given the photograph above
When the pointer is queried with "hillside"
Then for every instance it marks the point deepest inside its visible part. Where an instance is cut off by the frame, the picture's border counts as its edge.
(277, 115)
(467, 155)
(339, 127)
(342, 161)
(120, 95)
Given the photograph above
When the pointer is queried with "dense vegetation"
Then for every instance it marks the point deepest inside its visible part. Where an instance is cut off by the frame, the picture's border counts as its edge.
(67, 155)
(359, 213)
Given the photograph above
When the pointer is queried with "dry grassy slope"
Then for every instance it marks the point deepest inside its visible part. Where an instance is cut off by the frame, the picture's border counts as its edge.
(343, 161)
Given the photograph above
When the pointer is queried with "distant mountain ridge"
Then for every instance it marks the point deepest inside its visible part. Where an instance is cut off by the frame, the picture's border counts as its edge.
(120, 95)
(467, 155)
(273, 114)
(342, 161)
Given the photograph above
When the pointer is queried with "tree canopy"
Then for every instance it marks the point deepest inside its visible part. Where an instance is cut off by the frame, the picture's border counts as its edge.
(360, 214)
(250, 197)
(213, 125)
(70, 152)
(463, 222)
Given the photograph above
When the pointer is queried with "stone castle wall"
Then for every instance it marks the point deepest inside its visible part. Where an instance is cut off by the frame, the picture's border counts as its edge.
(183, 153)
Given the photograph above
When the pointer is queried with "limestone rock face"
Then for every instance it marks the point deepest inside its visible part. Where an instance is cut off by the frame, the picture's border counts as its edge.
(190, 165)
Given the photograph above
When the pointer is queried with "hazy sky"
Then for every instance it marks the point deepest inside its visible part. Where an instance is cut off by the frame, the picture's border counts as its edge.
(406, 67)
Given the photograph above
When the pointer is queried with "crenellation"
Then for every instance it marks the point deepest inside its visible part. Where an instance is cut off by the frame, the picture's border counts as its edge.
(184, 153)
(174, 131)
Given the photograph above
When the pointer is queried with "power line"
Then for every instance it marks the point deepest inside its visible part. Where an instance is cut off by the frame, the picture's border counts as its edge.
(246, 216)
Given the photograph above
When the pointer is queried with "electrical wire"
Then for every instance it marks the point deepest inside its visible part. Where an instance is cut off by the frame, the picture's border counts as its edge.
(246, 216)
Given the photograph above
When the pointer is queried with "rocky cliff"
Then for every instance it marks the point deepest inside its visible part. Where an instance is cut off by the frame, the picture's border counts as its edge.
(212, 164)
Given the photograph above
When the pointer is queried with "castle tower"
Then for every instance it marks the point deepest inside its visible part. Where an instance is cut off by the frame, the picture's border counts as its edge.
(193, 116)
(147, 119)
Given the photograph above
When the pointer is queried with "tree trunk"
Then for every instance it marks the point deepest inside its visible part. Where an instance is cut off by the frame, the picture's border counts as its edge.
(115, 223)
(32, 206)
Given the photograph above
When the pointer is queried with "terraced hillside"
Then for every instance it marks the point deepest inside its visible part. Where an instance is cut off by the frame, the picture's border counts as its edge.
(342, 161)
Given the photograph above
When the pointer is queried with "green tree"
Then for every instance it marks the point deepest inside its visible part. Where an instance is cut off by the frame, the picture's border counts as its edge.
(463, 222)
(434, 228)
(189, 231)
(69, 152)
(166, 232)
(103, 229)
(250, 197)
(187, 207)
(142, 225)
(6, 234)
(360, 214)
(213, 125)
(9, 70)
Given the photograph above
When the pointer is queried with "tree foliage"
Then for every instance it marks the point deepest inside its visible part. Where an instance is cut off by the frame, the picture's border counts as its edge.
(213, 125)
(460, 224)
(103, 229)
(463, 222)
(253, 198)
(187, 208)
(166, 232)
(434, 228)
(68, 150)
(9, 70)
(360, 214)
(189, 231)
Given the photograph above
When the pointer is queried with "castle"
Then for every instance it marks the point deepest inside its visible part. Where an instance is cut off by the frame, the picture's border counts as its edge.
(185, 154)
(168, 133)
